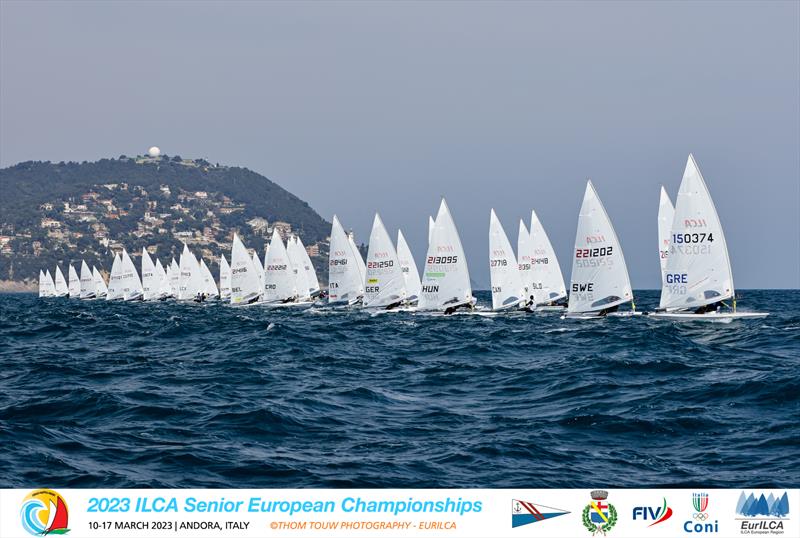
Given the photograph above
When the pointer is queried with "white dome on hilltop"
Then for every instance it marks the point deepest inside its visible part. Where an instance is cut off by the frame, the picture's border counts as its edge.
(154, 151)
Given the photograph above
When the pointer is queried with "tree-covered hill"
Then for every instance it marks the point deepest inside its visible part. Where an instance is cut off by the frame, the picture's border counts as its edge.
(63, 212)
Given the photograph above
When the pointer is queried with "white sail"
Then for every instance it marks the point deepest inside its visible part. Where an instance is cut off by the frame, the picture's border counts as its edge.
(174, 278)
(224, 279)
(524, 263)
(698, 269)
(49, 285)
(281, 282)
(345, 283)
(507, 288)
(114, 280)
(42, 284)
(209, 287)
(163, 280)
(385, 284)
(74, 283)
(431, 225)
(190, 282)
(311, 273)
(666, 214)
(245, 286)
(131, 285)
(61, 288)
(599, 274)
(445, 282)
(260, 273)
(88, 288)
(100, 289)
(409, 267)
(150, 281)
(547, 282)
(362, 267)
(296, 261)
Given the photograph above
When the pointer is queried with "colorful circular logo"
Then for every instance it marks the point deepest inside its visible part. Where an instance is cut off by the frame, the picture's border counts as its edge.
(44, 511)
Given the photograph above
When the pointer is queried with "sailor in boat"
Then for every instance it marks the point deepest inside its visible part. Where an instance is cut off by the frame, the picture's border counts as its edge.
(714, 307)
(604, 312)
(469, 305)
(200, 297)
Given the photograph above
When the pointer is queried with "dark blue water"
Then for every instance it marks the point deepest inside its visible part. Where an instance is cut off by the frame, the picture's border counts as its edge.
(160, 395)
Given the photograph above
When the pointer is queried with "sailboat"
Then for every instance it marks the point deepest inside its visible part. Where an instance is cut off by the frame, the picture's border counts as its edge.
(151, 284)
(547, 282)
(88, 288)
(60, 288)
(385, 285)
(345, 280)
(245, 286)
(74, 283)
(131, 285)
(666, 214)
(445, 281)
(224, 279)
(409, 267)
(100, 288)
(189, 281)
(600, 280)
(46, 285)
(311, 274)
(301, 276)
(174, 279)
(114, 280)
(362, 267)
(280, 282)
(507, 288)
(524, 263)
(209, 287)
(163, 281)
(698, 277)
(431, 225)
(260, 274)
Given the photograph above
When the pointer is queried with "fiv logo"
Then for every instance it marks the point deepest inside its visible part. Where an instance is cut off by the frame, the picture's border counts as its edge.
(655, 515)
(701, 521)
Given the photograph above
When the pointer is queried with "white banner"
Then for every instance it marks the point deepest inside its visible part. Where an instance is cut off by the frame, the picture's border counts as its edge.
(298, 513)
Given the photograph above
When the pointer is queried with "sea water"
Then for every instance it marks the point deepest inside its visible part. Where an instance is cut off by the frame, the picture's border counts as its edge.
(97, 394)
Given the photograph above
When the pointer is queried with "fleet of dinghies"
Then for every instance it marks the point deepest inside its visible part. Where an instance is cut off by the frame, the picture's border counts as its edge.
(697, 281)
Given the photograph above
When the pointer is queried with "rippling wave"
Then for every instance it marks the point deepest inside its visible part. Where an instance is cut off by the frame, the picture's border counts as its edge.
(96, 394)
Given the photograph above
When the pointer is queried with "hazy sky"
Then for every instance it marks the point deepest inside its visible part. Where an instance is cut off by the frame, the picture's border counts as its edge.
(358, 107)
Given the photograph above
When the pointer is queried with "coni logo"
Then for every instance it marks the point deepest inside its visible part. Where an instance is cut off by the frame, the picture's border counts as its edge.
(44, 511)
(701, 521)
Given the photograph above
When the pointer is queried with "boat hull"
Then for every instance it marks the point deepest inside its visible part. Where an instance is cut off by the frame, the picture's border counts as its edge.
(718, 317)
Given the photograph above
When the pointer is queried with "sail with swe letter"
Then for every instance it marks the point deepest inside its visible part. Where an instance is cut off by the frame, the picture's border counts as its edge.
(385, 284)
(114, 280)
(61, 288)
(445, 281)
(224, 279)
(281, 283)
(245, 286)
(74, 283)
(599, 274)
(507, 288)
(547, 282)
(409, 267)
(666, 214)
(698, 270)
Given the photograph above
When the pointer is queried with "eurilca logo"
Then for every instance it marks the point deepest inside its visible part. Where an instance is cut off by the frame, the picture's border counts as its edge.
(699, 522)
(526, 512)
(762, 514)
(44, 512)
(659, 515)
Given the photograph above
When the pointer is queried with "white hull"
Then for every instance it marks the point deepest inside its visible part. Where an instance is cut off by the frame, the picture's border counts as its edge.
(718, 317)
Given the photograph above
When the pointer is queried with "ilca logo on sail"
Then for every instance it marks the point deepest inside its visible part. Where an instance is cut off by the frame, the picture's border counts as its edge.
(701, 520)
(761, 514)
(526, 512)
